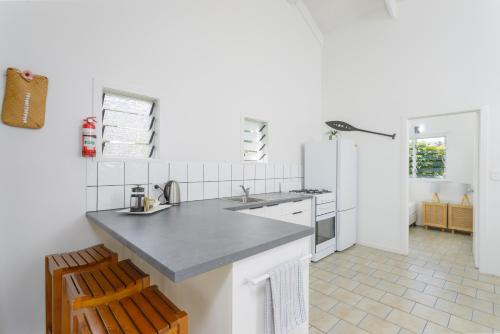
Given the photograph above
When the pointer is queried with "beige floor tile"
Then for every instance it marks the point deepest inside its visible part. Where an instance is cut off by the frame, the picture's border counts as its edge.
(369, 291)
(365, 279)
(433, 328)
(491, 297)
(346, 296)
(420, 297)
(376, 325)
(348, 313)
(432, 314)
(466, 326)
(442, 293)
(385, 275)
(344, 327)
(391, 287)
(489, 279)
(408, 321)
(313, 330)
(405, 273)
(475, 303)
(412, 284)
(431, 280)
(374, 307)
(497, 310)
(348, 273)
(454, 308)
(325, 323)
(461, 289)
(478, 285)
(449, 277)
(323, 274)
(321, 301)
(488, 320)
(360, 268)
(421, 270)
(398, 302)
(323, 287)
(345, 283)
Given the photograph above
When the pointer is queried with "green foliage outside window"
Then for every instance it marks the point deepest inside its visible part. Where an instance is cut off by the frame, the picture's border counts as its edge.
(430, 158)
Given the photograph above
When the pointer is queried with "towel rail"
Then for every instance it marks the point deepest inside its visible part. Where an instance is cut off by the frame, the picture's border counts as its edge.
(256, 281)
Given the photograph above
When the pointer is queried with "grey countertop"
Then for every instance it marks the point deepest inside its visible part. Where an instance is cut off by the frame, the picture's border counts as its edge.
(195, 237)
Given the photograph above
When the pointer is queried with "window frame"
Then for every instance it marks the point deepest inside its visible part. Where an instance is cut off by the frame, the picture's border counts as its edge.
(242, 144)
(414, 140)
(102, 87)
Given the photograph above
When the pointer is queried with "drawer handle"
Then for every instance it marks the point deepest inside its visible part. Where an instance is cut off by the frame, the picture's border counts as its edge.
(296, 213)
(300, 200)
(257, 207)
(272, 204)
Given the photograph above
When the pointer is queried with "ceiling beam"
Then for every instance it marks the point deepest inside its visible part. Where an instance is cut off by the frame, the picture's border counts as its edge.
(392, 8)
(308, 18)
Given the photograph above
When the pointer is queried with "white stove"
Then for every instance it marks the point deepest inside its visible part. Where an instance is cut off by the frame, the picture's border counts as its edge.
(324, 213)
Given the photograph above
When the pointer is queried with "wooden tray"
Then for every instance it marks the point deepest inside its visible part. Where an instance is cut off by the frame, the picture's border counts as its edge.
(154, 210)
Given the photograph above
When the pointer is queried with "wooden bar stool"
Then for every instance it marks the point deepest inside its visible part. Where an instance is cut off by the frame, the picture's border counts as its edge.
(146, 312)
(56, 266)
(99, 286)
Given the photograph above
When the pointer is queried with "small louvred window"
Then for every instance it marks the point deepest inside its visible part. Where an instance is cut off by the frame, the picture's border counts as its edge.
(255, 139)
(128, 126)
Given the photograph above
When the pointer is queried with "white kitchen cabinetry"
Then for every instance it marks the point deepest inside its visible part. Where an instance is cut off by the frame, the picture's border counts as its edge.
(298, 212)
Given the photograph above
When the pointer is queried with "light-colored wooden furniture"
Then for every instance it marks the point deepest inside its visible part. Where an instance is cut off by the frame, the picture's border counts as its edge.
(99, 286)
(148, 311)
(57, 265)
(460, 217)
(435, 214)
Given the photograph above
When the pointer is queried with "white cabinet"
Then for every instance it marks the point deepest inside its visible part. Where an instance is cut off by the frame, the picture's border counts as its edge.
(298, 212)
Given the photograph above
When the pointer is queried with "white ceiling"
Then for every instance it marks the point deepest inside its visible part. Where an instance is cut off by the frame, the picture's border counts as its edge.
(330, 14)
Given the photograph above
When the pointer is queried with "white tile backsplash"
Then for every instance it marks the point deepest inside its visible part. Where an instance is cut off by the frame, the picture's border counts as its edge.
(91, 167)
(112, 181)
(225, 172)
(210, 172)
(236, 172)
(136, 172)
(110, 197)
(91, 198)
(158, 172)
(270, 186)
(260, 172)
(260, 186)
(286, 171)
(183, 187)
(269, 171)
(224, 189)
(210, 190)
(249, 172)
(111, 173)
(195, 172)
(179, 171)
(195, 191)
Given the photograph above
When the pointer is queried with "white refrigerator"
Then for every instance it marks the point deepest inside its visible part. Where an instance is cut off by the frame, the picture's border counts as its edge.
(333, 165)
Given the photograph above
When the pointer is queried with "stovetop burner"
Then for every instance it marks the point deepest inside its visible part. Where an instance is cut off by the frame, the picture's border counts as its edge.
(311, 191)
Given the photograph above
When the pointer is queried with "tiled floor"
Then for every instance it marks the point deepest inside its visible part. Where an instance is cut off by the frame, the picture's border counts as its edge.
(435, 289)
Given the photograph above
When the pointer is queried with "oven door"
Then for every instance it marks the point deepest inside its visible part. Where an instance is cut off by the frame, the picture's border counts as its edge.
(325, 232)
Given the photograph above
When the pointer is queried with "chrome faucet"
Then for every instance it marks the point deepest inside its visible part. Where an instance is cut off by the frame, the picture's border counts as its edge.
(246, 191)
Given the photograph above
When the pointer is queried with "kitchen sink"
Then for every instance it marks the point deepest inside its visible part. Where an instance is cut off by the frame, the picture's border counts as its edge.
(243, 199)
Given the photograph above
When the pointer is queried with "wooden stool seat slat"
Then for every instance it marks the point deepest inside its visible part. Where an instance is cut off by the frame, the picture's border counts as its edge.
(56, 266)
(100, 286)
(144, 312)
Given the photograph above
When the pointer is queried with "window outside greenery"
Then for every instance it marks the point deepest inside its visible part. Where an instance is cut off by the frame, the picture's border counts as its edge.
(427, 157)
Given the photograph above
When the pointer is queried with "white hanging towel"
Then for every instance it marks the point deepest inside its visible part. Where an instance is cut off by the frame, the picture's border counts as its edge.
(284, 302)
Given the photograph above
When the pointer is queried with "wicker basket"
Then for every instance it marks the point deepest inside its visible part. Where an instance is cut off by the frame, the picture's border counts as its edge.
(24, 100)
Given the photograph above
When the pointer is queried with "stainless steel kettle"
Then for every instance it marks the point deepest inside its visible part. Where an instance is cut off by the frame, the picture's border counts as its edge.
(172, 193)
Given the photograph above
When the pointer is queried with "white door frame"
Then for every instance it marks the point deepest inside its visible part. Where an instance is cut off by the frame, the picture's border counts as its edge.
(480, 171)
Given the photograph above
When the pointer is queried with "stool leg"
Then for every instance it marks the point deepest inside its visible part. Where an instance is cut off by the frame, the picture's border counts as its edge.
(183, 325)
(48, 298)
(56, 301)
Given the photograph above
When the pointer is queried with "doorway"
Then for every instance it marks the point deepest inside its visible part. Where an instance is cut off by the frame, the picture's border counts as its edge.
(441, 179)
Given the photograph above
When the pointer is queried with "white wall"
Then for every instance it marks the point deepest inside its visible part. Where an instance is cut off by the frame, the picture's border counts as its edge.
(436, 57)
(460, 131)
(209, 63)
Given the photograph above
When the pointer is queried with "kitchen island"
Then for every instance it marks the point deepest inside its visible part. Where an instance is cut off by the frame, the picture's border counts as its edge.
(202, 253)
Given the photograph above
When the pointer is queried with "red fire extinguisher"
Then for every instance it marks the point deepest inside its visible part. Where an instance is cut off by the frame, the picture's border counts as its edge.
(89, 137)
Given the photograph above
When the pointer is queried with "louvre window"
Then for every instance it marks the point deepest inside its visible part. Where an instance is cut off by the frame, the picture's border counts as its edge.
(255, 138)
(427, 157)
(128, 126)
